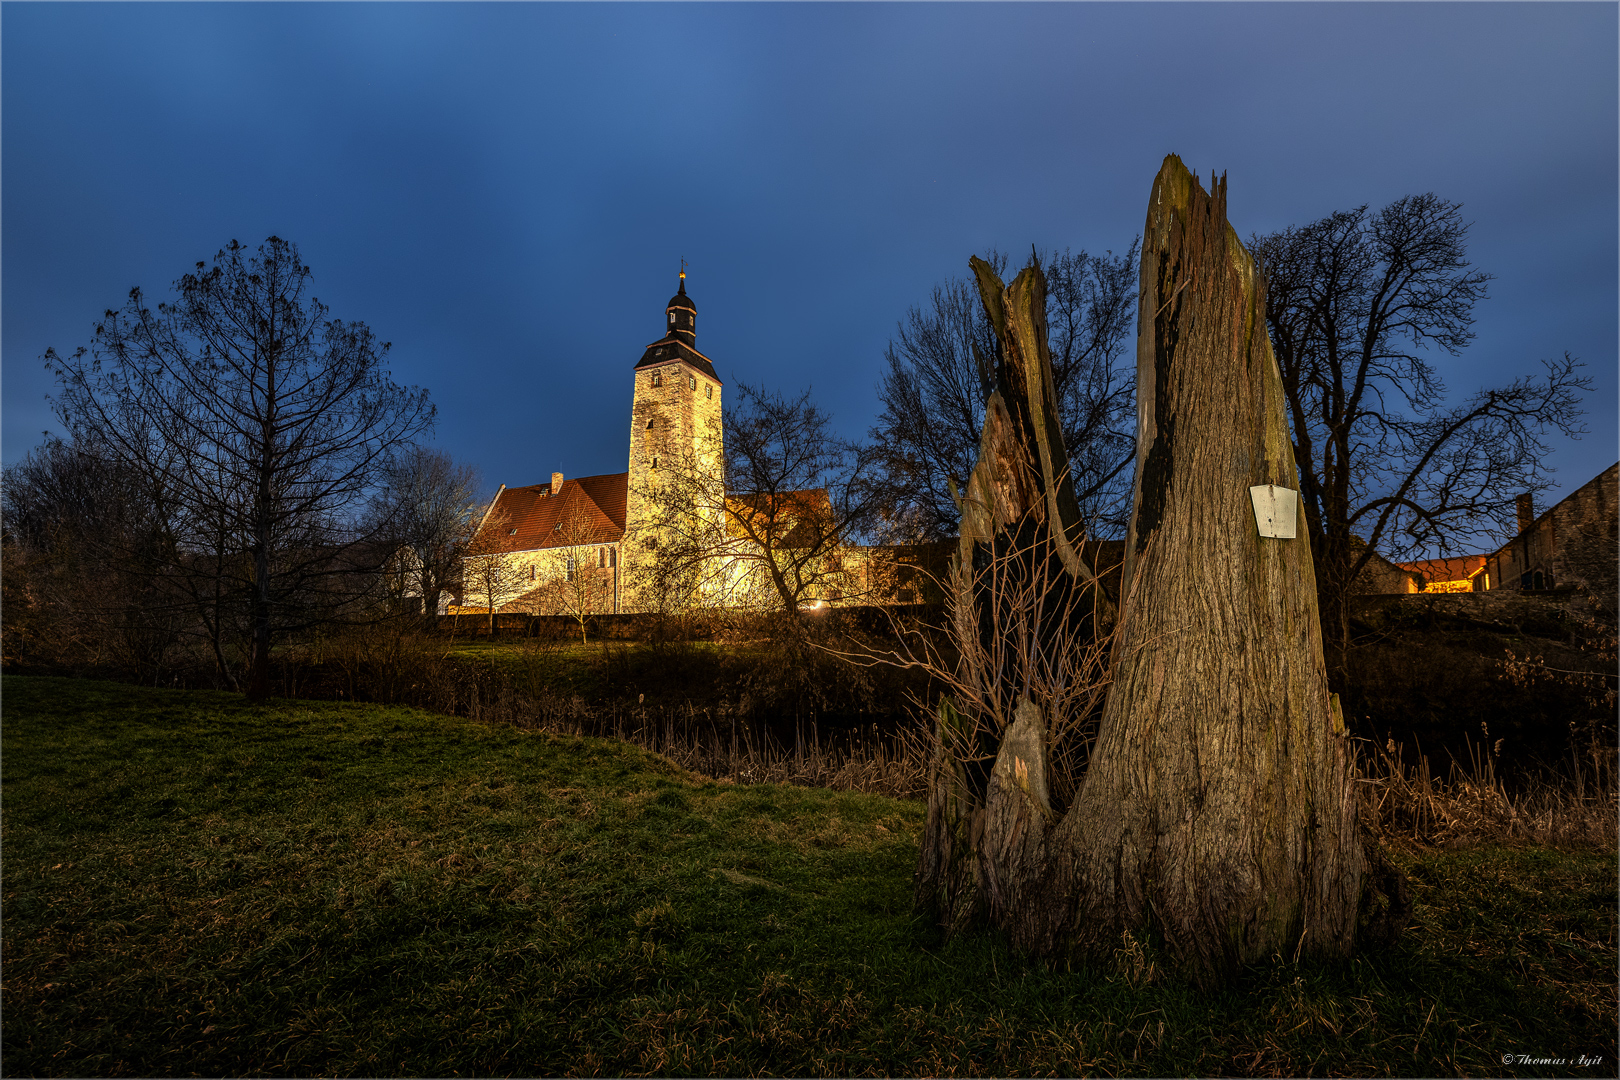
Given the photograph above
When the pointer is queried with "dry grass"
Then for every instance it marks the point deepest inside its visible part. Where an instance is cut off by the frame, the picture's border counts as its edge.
(548, 685)
(1016, 628)
(1408, 804)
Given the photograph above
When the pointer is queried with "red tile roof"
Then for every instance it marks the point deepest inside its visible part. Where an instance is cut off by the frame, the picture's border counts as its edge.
(806, 516)
(588, 510)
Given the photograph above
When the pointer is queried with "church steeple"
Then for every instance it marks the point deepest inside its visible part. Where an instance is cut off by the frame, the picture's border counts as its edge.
(676, 430)
(681, 315)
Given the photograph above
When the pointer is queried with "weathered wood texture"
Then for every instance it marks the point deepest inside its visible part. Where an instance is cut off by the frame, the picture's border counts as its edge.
(1024, 592)
(1217, 810)
(1219, 806)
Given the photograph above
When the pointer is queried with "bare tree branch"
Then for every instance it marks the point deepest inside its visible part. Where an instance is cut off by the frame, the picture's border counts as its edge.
(1357, 304)
(262, 422)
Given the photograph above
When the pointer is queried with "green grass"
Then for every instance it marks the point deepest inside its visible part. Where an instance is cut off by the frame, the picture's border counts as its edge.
(193, 884)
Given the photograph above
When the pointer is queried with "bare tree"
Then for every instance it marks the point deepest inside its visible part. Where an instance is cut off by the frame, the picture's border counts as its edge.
(1357, 304)
(939, 374)
(580, 569)
(426, 509)
(776, 529)
(260, 423)
(491, 573)
(85, 566)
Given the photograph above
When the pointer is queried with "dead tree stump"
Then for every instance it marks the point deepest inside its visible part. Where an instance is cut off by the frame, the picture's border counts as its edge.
(1217, 812)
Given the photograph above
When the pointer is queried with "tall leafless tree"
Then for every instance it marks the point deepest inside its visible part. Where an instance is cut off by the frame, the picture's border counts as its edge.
(939, 372)
(262, 422)
(1359, 304)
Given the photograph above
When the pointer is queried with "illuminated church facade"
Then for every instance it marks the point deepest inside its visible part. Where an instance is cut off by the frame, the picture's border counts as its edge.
(573, 544)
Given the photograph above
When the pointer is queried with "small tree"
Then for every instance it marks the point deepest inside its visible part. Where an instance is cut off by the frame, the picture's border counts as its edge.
(490, 572)
(256, 423)
(579, 588)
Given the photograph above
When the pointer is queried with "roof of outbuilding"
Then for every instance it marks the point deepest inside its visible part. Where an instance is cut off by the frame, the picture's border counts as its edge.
(588, 510)
(794, 519)
(1454, 568)
(669, 349)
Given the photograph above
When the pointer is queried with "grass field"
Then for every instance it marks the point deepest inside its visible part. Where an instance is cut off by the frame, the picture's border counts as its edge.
(192, 884)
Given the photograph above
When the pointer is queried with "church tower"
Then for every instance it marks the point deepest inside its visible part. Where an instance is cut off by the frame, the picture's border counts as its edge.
(675, 438)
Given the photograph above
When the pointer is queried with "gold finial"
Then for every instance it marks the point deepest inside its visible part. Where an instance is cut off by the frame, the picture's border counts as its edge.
(683, 269)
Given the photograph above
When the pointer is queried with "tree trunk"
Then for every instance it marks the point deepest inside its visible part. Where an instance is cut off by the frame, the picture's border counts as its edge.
(258, 688)
(1217, 812)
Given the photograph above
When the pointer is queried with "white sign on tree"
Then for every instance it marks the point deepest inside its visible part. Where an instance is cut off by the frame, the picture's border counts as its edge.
(1275, 510)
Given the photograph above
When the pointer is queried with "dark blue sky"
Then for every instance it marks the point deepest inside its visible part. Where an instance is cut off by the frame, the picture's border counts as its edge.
(505, 191)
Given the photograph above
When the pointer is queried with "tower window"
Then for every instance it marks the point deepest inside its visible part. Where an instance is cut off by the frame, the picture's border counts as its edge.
(650, 424)
(655, 463)
(708, 390)
(658, 378)
(531, 571)
(691, 382)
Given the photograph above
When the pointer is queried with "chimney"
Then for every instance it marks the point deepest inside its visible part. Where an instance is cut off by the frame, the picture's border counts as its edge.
(556, 486)
(1527, 512)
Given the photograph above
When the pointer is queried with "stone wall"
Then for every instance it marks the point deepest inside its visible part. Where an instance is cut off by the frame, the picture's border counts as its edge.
(1573, 546)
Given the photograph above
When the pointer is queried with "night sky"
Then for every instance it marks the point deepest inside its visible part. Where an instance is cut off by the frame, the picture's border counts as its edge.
(505, 191)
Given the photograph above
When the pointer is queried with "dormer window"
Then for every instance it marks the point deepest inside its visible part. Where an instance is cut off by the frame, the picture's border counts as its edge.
(511, 532)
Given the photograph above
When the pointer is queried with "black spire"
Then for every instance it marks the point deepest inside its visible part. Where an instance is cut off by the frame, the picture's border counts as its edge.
(681, 315)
